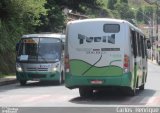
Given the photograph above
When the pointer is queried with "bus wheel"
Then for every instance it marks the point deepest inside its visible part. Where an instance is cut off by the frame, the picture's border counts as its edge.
(62, 75)
(141, 87)
(130, 92)
(59, 82)
(23, 82)
(85, 92)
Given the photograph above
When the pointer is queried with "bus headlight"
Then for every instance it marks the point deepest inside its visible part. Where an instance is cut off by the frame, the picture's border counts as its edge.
(54, 69)
(18, 68)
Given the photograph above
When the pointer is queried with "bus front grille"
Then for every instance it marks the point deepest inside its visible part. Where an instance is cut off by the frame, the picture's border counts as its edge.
(42, 69)
(37, 69)
(37, 75)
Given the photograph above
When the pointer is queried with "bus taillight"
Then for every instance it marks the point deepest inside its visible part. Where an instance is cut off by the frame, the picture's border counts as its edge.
(126, 63)
(67, 66)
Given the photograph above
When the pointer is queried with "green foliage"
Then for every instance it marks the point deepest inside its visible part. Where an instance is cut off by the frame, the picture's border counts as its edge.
(148, 12)
(94, 8)
(99, 13)
(115, 14)
(140, 15)
(17, 17)
(111, 4)
(158, 14)
(124, 1)
(53, 20)
(77, 5)
(124, 11)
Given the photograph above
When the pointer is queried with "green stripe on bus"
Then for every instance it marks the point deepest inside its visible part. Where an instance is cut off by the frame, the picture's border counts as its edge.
(78, 67)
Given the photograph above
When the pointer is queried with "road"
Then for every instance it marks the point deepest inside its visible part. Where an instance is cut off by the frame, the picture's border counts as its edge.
(37, 94)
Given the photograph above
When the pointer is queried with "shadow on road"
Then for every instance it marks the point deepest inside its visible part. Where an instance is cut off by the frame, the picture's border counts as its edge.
(115, 97)
(30, 84)
(42, 84)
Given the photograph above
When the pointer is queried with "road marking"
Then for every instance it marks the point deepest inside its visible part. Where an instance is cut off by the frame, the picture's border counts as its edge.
(144, 100)
(36, 98)
(154, 101)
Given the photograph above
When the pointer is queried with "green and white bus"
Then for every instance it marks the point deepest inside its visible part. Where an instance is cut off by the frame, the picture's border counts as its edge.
(104, 53)
(40, 57)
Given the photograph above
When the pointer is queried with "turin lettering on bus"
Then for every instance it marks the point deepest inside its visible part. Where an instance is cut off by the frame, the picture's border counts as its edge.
(109, 39)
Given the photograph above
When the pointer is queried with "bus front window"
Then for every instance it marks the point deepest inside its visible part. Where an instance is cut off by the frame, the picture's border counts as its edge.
(28, 47)
(40, 50)
(49, 49)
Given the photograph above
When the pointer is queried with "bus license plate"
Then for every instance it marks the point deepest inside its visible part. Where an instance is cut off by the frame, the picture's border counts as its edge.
(36, 79)
(96, 82)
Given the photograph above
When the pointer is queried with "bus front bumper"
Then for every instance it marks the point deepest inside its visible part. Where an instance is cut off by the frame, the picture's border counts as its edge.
(38, 76)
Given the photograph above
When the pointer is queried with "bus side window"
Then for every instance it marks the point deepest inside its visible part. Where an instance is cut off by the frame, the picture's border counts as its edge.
(138, 43)
(145, 46)
(134, 44)
(142, 46)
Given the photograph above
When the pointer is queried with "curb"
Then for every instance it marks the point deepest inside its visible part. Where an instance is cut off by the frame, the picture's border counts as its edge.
(7, 82)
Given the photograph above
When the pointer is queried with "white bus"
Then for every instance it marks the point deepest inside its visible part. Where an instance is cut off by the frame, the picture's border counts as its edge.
(104, 53)
(40, 57)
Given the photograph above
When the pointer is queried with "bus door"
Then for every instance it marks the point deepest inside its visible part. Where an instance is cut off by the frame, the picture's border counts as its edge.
(137, 52)
(144, 59)
(134, 50)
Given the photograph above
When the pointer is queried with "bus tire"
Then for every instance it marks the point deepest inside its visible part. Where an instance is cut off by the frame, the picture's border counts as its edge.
(158, 62)
(129, 91)
(141, 87)
(59, 82)
(62, 75)
(85, 92)
(23, 82)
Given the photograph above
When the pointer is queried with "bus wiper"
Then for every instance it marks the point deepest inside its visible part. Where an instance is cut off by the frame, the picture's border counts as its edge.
(43, 58)
(92, 65)
(54, 61)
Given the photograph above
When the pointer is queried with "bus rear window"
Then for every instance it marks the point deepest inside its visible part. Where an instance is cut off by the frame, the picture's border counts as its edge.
(111, 28)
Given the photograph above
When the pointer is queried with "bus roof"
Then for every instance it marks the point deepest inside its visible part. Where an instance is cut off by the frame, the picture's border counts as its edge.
(51, 35)
(118, 21)
(98, 19)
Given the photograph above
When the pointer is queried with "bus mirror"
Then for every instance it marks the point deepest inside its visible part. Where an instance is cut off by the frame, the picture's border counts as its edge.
(17, 47)
(148, 44)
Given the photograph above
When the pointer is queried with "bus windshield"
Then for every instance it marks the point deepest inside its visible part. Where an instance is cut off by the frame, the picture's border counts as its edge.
(40, 50)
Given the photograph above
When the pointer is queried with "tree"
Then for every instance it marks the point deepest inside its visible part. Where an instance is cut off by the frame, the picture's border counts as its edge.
(79, 5)
(124, 11)
(17, 17)
(148, 11)
(140, 14)
(111, 4)
(124, 1)
(54, 20)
